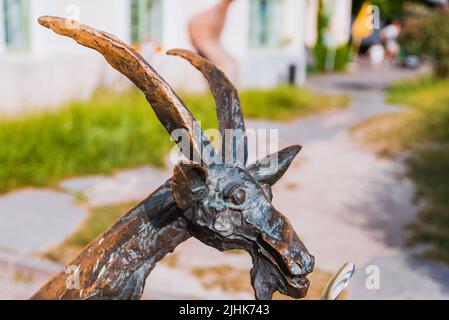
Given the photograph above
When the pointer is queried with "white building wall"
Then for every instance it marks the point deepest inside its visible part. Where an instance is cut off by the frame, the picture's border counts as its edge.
(179, 73)
(2, 35)
(236, 33)
(265, 68)
(110, 15)
(57, 69)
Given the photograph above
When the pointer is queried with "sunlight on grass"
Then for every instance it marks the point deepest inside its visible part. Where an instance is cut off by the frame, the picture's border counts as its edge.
(286, 103)
(422, 130)
(113, 131)
(108, 132)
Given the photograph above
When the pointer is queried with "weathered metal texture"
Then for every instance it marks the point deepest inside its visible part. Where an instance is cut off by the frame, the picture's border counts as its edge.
(228, 107)
(170, 110)
(116, 264)
(224, 205)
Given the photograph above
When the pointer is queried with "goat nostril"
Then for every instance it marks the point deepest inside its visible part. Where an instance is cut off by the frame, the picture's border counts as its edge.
(311, 264)
(308, 261)
(296, 269)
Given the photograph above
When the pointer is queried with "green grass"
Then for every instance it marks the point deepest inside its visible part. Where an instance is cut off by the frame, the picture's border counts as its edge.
(286, 103)
(112, 131)
(430, 171)
(428, 98)
(423, 131)
(107, 132)
(429, 162)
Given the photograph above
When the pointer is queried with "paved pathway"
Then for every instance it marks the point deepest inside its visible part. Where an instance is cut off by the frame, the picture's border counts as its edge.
(35, 220)
(347, 204)
(350, 205)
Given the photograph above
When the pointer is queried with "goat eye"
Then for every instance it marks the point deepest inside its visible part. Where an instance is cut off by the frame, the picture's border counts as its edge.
(238, 196)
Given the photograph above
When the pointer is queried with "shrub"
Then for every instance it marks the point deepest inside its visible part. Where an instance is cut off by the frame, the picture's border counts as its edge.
(426, 33)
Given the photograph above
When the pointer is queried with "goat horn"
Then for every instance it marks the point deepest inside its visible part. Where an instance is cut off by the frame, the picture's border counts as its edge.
(229, 110)
(170, 110)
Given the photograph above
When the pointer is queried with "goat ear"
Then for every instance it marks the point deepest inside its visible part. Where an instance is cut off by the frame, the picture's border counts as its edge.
(189, 183)
(270, 169)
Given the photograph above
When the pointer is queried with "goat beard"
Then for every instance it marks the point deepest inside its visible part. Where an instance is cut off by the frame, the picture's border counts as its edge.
(267, 278)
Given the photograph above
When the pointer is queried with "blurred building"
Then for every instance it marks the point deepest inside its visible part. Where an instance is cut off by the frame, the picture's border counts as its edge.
(39, 69)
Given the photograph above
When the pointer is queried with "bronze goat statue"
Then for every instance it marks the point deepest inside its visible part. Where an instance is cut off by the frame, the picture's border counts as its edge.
(224, 204)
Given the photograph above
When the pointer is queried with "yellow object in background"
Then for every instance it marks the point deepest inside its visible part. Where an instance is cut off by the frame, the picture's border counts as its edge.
(362, 27)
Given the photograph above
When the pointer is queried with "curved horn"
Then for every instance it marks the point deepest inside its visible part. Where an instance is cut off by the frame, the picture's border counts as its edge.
(229, 110)
(169, 108)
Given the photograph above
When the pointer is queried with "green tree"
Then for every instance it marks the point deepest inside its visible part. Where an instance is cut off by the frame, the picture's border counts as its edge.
(426, 33)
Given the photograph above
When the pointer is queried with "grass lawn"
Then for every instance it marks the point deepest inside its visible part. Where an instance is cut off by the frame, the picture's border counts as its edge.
(423, 131)
(287, 103)
(113, 131)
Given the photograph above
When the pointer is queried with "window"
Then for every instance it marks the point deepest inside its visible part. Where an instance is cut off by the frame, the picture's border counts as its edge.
(16, 24)
(146, 20)
(266, 23)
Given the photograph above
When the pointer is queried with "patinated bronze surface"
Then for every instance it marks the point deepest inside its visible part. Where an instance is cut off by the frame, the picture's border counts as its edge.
(226, 205)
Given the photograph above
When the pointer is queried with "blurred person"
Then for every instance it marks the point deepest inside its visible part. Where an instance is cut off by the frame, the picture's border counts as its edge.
(390, 35)
(377, 55)
(392, 49)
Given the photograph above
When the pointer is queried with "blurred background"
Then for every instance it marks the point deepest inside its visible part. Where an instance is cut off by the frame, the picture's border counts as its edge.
(363, 86)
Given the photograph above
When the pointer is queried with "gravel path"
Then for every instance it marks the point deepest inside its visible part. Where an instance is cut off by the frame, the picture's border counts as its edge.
(350, 205)
(32, 220)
